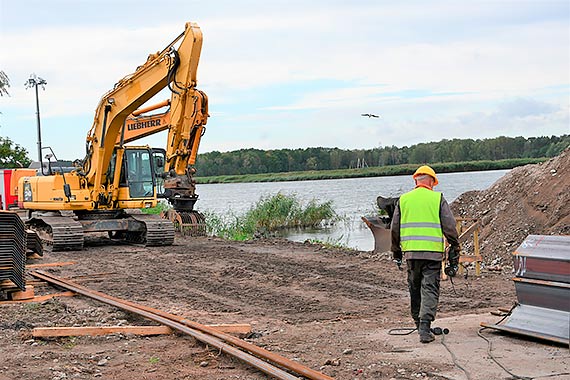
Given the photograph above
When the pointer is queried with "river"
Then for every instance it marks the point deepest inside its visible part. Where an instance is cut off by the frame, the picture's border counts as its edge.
(352, 198)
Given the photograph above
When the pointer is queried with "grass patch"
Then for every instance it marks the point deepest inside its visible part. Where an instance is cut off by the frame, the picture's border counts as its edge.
(160, 207)
(70, 342)
(154, 360)
(270, 214)
(336, 243)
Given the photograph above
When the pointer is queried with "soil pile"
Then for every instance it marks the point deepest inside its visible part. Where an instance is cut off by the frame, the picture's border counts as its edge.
(529, 200)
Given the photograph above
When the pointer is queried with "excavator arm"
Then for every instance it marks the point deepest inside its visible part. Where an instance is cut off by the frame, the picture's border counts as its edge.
(173, 68)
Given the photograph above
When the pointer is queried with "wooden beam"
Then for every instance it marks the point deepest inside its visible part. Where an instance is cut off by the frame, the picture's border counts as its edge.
(137, 330)
(39, 298)
(465, 234)
(99, 330)
(59, 264)
(469, 258)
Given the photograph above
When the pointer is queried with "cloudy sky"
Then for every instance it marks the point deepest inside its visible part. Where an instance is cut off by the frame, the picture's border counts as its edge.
(296, 74)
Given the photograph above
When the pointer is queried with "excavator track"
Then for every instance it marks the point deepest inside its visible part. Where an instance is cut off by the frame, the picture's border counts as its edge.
(58, 232)
(159, 231)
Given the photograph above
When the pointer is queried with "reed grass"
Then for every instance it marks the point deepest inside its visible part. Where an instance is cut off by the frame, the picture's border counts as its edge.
(270, 214)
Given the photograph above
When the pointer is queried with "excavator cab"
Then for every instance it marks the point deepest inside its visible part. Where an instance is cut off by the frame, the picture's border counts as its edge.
(140, 172)
(137, 173)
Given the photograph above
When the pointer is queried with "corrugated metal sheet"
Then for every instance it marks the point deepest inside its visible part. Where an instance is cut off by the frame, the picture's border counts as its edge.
(542, 283)
(537, 322)
(13, 240)
(543, 257)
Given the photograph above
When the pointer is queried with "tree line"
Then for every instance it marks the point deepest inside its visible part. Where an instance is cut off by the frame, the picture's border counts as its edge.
(12, 155)
(256, 161)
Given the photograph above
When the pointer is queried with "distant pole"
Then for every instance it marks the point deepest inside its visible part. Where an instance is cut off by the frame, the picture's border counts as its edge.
(36, 81)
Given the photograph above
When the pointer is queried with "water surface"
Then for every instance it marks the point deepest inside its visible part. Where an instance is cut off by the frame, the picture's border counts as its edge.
(352, 198)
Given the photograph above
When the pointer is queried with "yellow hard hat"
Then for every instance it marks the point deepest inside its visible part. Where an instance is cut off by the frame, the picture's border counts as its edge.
(426, 170)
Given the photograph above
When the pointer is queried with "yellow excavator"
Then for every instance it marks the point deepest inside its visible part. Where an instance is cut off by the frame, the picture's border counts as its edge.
(107, 189)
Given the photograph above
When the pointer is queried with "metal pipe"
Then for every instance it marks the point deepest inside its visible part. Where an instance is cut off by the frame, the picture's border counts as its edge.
(183, 327)
(104, 131)
(153, 107)
(39, 129)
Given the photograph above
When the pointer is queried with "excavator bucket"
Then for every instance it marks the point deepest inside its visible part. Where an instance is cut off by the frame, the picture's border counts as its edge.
(190, 223)
(380, 225)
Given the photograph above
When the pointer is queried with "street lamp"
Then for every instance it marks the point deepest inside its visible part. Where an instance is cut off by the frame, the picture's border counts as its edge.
(35, 81)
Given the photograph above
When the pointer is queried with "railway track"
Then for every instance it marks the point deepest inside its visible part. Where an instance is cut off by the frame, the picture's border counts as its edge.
(269, 363)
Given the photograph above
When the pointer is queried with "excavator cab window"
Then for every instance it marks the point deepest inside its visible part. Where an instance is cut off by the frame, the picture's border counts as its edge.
(139, 169)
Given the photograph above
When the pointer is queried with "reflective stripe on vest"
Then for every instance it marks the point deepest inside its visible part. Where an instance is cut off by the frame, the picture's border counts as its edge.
(420, 225)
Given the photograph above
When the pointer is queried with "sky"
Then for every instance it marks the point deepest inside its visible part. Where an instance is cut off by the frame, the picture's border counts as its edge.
(297, 74)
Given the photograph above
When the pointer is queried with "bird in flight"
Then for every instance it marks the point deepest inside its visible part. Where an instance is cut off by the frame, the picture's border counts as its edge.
(369, 115)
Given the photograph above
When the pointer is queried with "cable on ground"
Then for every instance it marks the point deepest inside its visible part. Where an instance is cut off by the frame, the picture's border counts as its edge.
(400, 331)
(454, 358)
(513, 376)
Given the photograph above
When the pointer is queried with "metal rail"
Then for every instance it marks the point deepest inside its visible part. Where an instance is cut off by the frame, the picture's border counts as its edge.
(201, 332)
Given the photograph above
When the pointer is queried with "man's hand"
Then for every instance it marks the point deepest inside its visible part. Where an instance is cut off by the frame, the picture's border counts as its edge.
(451, 269)
(453, 256)
(397, 257)
(452, 266)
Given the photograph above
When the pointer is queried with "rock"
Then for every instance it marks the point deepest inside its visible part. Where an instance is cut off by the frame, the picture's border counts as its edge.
(102, 362)
(333, 362)
(348, 351)
(204, 364)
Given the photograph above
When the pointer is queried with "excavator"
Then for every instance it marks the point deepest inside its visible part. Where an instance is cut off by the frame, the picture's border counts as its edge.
(107, 189)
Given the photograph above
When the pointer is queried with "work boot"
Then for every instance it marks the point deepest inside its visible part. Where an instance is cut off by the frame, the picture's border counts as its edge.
(425, 333)
(417, 323)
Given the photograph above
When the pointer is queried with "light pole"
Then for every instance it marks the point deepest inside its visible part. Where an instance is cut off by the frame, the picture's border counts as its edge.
(35, 81)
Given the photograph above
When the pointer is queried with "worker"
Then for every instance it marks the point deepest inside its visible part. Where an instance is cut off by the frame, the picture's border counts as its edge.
(422, 218)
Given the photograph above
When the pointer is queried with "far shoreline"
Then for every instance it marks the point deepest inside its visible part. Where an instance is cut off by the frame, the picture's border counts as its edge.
(377, 171)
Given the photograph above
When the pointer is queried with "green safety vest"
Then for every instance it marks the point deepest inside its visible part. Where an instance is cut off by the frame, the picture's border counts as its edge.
(420, 225)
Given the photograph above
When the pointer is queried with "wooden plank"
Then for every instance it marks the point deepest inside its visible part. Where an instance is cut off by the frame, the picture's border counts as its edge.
(465, 234)
(39, 298)
(469, 258)
(100, 330)
(59, 264)
(137, 330)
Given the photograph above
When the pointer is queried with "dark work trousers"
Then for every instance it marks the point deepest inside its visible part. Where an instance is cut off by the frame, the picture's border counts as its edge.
(423, 283)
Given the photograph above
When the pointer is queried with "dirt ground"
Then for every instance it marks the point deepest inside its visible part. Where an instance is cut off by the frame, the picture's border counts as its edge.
(330, 309)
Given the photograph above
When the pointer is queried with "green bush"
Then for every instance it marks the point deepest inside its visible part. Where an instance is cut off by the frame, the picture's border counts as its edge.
(270, 214)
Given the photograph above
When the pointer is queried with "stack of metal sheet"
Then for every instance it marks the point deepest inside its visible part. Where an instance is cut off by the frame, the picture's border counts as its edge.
(13, 240)
(542, 283)
(34, 243)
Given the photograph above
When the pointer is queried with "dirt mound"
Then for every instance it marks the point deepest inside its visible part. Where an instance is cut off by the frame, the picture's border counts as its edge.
(529, 200)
